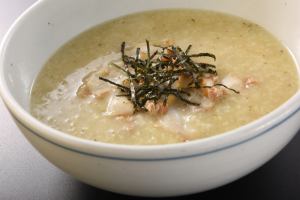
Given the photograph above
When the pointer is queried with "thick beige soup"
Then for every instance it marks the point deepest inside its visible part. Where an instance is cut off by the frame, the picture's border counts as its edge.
(248, 59)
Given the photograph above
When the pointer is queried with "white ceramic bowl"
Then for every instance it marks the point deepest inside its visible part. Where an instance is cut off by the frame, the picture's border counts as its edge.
(163, 170)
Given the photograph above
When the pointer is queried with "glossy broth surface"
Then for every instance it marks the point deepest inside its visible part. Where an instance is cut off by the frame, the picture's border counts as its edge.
(243, 49)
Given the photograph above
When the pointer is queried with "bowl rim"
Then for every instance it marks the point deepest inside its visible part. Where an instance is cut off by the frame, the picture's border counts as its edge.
(189, 149)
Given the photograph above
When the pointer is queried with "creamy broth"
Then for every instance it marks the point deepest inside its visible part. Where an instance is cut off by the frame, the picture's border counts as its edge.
(243, 49)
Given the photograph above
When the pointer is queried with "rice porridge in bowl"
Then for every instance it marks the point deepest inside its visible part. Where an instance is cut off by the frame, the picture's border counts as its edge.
(154, 98)
(165, 76)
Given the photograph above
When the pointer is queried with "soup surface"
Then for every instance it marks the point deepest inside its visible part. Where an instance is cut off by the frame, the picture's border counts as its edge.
(248, 59)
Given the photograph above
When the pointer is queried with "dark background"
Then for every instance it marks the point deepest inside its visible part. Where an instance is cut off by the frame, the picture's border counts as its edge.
(26, 175)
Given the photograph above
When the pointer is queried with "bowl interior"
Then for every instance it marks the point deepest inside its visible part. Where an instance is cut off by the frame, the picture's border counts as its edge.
(43, 29)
